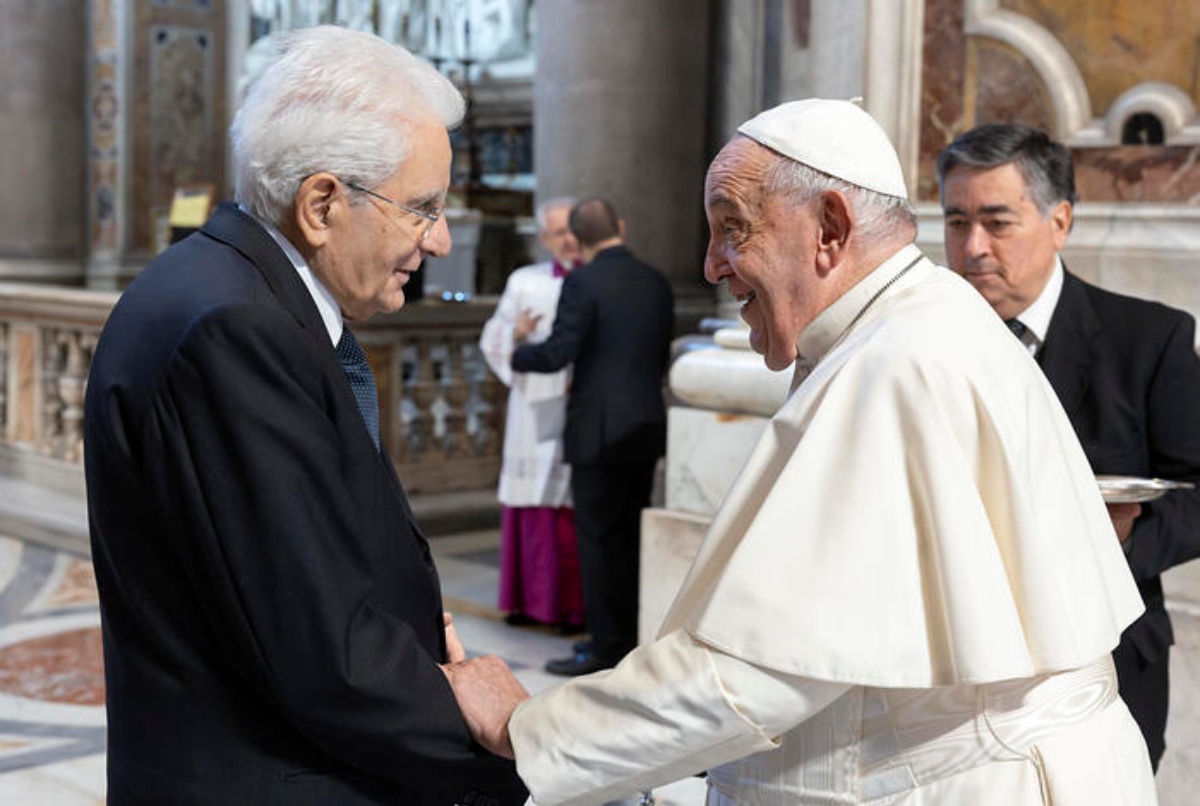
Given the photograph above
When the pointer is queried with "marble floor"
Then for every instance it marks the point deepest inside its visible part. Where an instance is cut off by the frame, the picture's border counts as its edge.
(52, 680)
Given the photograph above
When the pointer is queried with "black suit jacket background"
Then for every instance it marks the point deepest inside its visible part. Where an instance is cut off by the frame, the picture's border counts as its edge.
(613, 322)
(1127, 374)
(271, 613)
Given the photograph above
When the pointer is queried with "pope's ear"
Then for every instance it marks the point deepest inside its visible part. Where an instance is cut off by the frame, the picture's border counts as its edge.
(835, 222)
(319, 202)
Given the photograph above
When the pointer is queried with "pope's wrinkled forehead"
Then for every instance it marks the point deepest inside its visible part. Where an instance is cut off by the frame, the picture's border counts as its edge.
(738, 173)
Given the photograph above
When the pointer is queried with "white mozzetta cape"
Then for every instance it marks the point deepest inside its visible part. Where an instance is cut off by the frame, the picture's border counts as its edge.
(532, 473)
(918, 513)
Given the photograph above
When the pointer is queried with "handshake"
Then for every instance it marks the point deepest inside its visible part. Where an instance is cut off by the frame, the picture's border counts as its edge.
(487, 693)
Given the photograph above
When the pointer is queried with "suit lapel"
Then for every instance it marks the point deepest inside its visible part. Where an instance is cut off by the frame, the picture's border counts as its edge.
(1071, 344)
(231, 226)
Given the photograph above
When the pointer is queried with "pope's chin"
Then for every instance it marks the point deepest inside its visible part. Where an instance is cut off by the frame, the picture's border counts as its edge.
(760, 345)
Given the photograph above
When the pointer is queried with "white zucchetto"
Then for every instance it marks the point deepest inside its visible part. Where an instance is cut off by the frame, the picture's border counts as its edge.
(834, 137)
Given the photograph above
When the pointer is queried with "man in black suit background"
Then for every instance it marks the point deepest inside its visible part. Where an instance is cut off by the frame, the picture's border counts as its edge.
(614, 323)
(272, 620)
(1124, 369)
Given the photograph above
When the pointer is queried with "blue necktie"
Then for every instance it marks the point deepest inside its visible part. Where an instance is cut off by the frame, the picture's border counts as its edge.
(362, 382)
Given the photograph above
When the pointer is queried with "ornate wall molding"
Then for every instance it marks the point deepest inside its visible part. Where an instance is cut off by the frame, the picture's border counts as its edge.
(1050, 59)
(1171, 105)
(1076, 124)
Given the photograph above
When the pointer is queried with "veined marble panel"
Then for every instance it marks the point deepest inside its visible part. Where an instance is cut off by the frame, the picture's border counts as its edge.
(1119, 44)
(705, 453)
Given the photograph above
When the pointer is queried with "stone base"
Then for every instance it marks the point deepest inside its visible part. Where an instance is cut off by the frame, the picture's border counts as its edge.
(706, 452)
(1179, 774)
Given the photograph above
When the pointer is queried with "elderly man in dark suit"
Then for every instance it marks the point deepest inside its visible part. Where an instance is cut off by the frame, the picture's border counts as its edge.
(613, 322)
(273, 625)
(1124, 369)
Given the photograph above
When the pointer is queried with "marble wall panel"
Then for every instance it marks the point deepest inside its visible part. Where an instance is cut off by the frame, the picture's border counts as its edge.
(943, 109)
(42, 47)
(1006, 88)
(1119, 44)
(178, 114)
(1139, 174)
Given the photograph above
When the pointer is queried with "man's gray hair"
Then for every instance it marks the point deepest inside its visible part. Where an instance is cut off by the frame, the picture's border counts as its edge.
(556, 203)
(330, 101)
(876, 215)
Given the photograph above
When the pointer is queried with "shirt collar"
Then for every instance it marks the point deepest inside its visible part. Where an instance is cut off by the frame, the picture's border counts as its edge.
(327, 306)
(824, 331)
(1036, 317)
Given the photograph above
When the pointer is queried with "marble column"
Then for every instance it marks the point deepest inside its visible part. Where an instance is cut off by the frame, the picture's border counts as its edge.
(41, 93)
(620, 110)
(156, 120)
(107, 153)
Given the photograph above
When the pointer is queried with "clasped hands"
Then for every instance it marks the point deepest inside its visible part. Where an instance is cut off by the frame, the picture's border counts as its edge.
(487, 693)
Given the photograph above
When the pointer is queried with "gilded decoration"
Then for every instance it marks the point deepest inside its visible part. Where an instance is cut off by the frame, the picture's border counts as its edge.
(1118, 44)
(972, 79)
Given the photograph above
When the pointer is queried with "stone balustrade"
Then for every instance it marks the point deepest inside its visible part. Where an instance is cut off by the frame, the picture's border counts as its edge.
(441, 411)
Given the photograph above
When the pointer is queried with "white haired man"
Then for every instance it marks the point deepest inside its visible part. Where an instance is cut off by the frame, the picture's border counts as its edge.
(911, 591)
(273, 626)
(539, 552)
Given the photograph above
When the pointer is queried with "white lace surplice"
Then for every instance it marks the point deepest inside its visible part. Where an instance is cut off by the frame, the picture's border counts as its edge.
(533, 473)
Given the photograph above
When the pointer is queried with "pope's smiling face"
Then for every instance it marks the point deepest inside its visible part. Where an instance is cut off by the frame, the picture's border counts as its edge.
(763, 246)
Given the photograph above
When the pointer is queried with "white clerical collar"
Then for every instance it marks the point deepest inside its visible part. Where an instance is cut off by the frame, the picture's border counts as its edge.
(327, 306)
(824, 331)
(1036, 317)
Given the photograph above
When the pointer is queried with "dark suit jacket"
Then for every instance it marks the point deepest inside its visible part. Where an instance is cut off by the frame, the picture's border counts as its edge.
(613, 322)
(1128, 377)
(272, 618)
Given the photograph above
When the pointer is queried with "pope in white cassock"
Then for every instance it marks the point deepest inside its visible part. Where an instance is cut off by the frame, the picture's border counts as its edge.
(910, 594)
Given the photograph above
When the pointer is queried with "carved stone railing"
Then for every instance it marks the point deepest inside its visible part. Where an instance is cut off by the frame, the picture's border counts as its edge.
(47, 336)
(441, 411)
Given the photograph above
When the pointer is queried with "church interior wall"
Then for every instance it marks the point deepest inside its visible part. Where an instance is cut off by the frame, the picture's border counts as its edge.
(42, 231)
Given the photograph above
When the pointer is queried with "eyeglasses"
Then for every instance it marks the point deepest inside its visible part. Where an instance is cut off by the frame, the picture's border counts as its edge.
(431, 217)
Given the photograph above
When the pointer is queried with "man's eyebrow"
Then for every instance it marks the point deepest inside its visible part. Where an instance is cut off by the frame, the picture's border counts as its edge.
(991, 209)
(429, 199)
(722, 199)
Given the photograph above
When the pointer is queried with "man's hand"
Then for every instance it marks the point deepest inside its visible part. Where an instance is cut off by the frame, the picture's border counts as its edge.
(526, 323)
(1123, 516)
(487, 694)
(454, 647)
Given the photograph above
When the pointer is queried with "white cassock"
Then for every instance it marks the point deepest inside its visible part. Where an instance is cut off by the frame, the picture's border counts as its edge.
(909, 595)
(532, 473)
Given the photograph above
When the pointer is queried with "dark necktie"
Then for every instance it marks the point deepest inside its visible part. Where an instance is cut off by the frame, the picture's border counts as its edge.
(1024, 335)
(362, 382)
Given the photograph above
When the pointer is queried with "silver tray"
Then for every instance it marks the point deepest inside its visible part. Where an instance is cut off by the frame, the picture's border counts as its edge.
(1134, 490)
